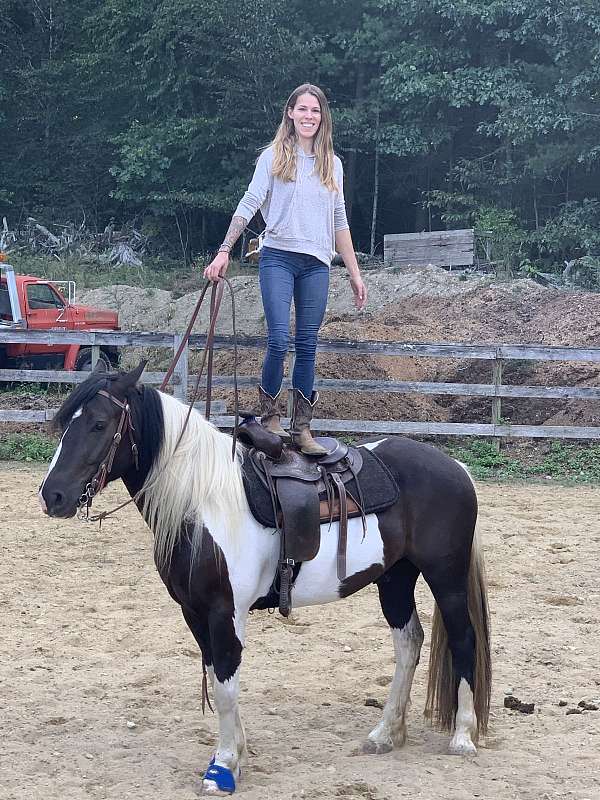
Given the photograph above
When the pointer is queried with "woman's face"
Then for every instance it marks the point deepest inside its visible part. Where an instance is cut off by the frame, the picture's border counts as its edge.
(306, 115)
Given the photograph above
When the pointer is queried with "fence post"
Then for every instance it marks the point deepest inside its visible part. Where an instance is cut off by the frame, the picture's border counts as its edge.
(95, 355)
(497, 368)
(180, 389)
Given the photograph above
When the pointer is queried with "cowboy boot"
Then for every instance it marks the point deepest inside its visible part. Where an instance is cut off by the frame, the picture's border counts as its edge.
(269, 413)
(300, 429)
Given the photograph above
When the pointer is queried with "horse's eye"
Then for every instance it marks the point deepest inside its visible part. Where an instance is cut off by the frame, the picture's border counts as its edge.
(100, 426)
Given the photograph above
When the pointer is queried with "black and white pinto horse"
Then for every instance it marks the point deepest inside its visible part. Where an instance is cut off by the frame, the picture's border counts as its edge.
(217, 561)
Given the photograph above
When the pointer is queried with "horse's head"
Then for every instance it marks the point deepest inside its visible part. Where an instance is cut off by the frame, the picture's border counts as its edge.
(97, 443)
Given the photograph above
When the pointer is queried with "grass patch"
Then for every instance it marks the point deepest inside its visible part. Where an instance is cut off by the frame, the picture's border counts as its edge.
(27, 447)
(485, 462)
(91, 273)
(581, 462)
(577, 463)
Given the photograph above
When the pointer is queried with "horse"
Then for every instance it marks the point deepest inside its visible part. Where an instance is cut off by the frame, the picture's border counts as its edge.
(218, 562)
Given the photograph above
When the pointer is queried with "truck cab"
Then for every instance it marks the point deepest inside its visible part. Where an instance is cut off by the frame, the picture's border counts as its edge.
(28, 302)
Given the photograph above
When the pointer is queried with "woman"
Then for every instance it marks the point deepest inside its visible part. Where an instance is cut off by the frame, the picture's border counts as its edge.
(298, 187)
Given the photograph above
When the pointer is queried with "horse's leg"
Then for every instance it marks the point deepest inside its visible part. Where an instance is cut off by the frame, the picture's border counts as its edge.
(452, 602)
(240, 733)
(213, 640)
(396, 594)
(227, 640)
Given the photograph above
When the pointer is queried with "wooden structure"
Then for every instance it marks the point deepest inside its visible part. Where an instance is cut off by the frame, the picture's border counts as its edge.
(441, 248)
(496, 355)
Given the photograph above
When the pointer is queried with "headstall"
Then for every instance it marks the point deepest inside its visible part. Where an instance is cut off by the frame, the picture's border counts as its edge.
(98, 482)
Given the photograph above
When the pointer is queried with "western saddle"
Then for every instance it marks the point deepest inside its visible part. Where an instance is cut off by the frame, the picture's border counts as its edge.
(304, 491)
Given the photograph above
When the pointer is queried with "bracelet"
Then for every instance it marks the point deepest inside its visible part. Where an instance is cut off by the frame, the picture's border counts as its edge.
(224, 248)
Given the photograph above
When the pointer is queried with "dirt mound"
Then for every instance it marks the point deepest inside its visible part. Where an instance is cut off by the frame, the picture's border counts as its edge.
(416, 305)
(157, 309)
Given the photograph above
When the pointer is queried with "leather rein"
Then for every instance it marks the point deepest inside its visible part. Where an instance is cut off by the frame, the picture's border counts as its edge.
(125, 425)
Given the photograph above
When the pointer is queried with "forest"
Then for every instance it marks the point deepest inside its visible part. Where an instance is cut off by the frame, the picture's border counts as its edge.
(461, 113)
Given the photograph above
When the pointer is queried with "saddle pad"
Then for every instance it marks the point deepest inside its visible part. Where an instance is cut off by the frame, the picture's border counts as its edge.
(379, 489)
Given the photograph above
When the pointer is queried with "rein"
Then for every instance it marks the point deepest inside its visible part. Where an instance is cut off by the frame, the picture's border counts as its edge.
(98, 482)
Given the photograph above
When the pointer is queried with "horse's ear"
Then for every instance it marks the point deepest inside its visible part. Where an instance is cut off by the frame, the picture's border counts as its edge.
(130, 379)
(100, 366)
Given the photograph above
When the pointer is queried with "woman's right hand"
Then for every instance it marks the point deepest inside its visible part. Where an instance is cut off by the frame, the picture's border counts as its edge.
(217, 267)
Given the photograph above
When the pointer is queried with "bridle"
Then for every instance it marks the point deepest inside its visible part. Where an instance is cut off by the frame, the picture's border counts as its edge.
(98, 482)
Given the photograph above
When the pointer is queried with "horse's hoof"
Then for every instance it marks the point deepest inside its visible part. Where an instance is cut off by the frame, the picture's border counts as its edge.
(462, 746)
(218, 780)
(211, 788)
(372, 748)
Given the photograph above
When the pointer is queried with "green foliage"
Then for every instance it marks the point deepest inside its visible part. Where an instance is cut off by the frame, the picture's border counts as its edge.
(156, 111)
(570, 462)
(485, 461)
(584, 272)
(574, 232)
(26, 447)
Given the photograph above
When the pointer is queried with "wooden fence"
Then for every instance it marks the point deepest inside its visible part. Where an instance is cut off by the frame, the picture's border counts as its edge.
(497, 355)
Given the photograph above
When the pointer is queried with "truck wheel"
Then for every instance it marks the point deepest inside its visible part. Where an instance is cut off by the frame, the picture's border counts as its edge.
(84, 360)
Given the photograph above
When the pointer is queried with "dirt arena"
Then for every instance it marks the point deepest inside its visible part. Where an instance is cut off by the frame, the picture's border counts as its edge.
(101, 679)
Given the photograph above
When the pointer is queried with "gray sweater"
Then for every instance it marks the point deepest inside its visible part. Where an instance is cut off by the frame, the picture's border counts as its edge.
(301, 216)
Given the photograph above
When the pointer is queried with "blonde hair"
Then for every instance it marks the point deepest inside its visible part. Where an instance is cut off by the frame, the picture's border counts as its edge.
(285, 142)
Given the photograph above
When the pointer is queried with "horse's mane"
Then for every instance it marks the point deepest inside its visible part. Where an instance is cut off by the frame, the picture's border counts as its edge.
(80, 396)
(196, 484)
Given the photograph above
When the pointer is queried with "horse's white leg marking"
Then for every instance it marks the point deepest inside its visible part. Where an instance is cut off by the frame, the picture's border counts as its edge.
(391, 731)
(55, 458)
(466, 722)
(231, 748)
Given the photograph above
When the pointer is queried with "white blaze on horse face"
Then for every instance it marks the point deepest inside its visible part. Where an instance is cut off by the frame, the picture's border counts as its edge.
(317, 581)
(55, 458)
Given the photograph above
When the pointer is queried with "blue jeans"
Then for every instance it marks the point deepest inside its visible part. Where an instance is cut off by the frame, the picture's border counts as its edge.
(284, 275)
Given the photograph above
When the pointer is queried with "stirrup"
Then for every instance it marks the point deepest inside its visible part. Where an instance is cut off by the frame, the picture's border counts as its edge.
(286, 576)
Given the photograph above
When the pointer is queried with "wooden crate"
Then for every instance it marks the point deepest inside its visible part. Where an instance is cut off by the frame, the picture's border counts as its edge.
(442, 248)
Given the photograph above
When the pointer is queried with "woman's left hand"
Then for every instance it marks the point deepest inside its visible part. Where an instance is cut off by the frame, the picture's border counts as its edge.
(360, 292)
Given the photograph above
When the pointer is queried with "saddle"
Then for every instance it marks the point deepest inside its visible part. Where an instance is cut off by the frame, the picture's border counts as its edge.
(304, 491)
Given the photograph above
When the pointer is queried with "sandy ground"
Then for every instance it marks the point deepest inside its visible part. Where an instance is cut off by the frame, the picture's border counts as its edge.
(90, 641)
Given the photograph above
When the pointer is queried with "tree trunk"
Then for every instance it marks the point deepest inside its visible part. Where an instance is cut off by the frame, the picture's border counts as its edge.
(353, 152)
(375, 184)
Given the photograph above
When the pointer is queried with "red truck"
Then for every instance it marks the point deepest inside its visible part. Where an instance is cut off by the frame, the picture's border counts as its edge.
(38, 304)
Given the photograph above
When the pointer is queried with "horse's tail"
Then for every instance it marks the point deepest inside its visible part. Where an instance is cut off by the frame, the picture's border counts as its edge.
(442, 689)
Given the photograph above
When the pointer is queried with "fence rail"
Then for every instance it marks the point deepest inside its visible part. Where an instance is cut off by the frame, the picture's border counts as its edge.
(497, 354)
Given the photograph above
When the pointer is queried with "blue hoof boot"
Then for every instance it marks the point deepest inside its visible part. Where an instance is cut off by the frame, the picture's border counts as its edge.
(222, 777)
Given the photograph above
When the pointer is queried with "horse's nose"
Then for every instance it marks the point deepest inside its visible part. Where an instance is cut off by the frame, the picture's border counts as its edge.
(51, 501)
